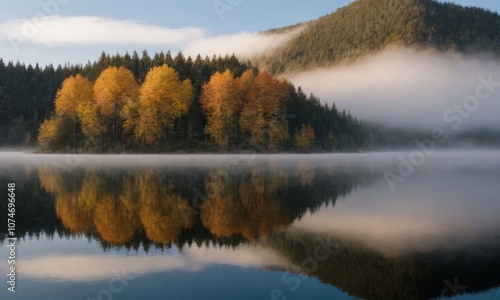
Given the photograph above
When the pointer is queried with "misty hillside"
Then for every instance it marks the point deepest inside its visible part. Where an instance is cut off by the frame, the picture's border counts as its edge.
(367, 26)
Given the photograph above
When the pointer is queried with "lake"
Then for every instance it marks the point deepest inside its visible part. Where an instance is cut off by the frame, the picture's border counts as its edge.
(388, 225)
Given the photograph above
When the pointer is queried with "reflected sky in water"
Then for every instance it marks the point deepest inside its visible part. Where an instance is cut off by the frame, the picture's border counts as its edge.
(255, 227)
(442, 206)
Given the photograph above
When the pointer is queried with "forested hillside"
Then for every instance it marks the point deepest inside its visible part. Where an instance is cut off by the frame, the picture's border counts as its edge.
(164, 103)
(367, 26)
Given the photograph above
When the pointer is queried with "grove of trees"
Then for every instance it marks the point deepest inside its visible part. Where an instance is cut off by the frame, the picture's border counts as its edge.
(177, 104)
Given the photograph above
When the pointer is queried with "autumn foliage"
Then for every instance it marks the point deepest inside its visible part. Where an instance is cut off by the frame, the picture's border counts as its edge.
(115, 108)
(163, 99)
(304, 137)
(65, 127)
(262, 117)
(115, 91)
(221, 103)
(119, 206)
(177, 104)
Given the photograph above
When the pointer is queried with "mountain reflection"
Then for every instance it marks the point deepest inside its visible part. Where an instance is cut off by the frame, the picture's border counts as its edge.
(369, 274)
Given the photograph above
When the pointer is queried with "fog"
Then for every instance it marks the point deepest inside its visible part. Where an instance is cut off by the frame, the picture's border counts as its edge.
(35, 160)
(410, 88)
(245, 45)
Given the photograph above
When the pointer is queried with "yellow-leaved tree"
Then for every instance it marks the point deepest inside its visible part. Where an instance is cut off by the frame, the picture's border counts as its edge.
(163, 97)
(114, 221)
(164, 213)
(63, 129)
(116, 93)
(220, 102)
(54, 134)
(304, 137)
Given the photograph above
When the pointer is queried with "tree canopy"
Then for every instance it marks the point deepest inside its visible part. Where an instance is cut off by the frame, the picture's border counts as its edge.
(163, 99)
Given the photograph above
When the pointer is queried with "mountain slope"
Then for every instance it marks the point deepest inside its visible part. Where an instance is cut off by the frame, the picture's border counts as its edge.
(367, 26)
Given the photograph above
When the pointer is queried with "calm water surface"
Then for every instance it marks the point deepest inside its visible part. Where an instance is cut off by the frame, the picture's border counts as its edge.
(253, 226)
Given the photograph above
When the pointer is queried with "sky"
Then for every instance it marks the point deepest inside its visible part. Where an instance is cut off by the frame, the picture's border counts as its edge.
(60, 31)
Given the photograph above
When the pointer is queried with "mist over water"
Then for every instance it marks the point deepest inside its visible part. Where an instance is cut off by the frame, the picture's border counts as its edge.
(410, 88)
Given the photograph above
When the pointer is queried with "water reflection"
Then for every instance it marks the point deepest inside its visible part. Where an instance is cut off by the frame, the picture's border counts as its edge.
(90, 268)
(123, 205)
(271, 214)
(369, 274)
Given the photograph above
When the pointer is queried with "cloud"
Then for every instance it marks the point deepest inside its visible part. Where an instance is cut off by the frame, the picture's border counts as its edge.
(404, 87)
(90, 268)
(85, 30)
(54, 34)
(244, 45)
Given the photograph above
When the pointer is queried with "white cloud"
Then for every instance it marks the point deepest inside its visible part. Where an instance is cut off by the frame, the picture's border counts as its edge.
(85, 30)
(89, 268)
(244, 45)
(55, 34)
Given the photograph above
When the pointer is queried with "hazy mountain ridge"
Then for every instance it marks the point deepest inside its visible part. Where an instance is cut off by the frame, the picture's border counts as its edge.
(369, 26)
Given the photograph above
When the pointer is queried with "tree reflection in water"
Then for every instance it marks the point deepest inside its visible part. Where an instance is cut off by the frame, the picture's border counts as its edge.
(118, 206)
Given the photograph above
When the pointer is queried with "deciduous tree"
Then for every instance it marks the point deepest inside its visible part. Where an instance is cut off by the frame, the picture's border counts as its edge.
(262, 117)
(54, 134)
(74, 91)
(304, 137)
(63, 128)
(115, 89)
(220, 102)
(163, 98)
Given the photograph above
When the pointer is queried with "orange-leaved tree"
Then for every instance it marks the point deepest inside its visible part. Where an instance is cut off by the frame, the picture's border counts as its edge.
(220, 102)
(262, 118)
